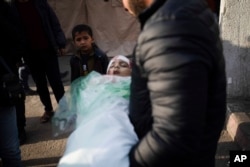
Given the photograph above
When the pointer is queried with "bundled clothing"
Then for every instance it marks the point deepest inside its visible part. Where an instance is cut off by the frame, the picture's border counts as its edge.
(178, 89)
(100, 126)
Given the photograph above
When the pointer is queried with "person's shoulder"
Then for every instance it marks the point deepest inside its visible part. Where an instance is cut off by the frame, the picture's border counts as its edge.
(73, 58)
(99, 52)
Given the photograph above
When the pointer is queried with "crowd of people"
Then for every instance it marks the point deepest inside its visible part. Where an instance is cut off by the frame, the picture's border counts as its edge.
(165, 107)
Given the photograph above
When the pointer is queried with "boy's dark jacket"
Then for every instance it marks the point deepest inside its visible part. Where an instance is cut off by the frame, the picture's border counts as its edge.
(178, 89)
(50, 22)
(100, 63)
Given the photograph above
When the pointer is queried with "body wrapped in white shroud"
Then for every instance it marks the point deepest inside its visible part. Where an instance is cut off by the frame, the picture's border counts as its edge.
(95, 108)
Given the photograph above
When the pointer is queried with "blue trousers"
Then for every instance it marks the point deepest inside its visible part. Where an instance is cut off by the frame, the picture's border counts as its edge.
(9, 144)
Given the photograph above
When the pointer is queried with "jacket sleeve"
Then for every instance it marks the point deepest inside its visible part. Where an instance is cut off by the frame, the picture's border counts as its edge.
(176, 66)
(105, 62)
(56, 28)
(74, 68)
(103, 58)
(12, 51)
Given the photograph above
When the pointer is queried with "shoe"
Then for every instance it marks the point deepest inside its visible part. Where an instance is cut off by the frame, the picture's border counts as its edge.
(64, 74)
(21, 136)
(46, 116)
(30, 92)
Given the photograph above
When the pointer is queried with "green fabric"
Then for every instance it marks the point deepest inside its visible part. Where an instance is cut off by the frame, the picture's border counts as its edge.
(87, 97)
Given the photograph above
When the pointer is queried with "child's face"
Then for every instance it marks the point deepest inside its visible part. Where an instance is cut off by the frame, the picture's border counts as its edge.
(83, 42)
(119, 67)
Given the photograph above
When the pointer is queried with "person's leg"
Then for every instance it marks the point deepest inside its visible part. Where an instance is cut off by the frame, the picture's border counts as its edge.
(41, 83)
(37, 65)
(9, 145)
(53, 75)
(21, 121)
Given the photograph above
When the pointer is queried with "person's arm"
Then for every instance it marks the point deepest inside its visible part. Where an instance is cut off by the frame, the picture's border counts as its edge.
(103, 58)
(57, 29)
(177, 69)
(13, 42)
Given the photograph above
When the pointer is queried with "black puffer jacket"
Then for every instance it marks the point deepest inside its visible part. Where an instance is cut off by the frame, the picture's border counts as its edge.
(178, 89)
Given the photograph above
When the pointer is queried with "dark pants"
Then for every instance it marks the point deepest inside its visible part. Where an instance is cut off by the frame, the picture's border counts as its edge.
(20, 115)
(9, 145)
(43, 65)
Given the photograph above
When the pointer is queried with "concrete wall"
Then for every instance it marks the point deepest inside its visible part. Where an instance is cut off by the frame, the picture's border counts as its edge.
(235, 32)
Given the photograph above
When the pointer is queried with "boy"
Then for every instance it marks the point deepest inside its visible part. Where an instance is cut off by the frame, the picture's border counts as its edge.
(88, 56)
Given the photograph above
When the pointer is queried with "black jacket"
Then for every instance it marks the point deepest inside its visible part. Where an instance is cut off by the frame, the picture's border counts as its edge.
(10, 43)
(178, 89)
(100, 63)
(50, 22)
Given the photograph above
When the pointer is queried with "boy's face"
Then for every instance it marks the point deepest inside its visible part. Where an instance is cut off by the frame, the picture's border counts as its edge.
(83, 42)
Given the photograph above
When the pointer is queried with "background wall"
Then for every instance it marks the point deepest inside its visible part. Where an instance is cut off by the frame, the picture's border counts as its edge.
(115, 30)
(235, 32)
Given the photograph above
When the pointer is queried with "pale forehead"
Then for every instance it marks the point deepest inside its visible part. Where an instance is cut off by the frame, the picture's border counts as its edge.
(119, 61)
(120, 57)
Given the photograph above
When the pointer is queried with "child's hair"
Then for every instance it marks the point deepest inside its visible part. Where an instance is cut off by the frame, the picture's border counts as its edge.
(81, 28)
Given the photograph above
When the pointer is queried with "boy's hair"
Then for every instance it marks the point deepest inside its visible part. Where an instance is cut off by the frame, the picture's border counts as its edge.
(81, 28)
